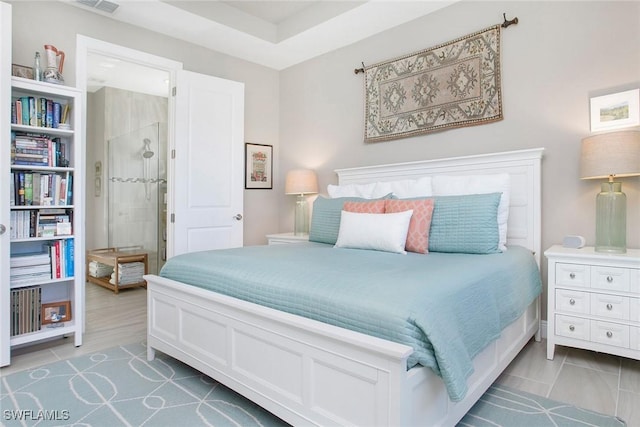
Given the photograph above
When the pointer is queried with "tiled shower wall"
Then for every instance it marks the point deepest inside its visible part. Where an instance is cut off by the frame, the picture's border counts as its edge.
(133, 219)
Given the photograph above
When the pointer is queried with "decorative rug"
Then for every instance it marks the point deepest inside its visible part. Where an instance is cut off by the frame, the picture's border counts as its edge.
(452, 85)
(119, 387)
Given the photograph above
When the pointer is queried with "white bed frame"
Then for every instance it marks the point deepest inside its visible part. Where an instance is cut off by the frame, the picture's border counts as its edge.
(310, 373)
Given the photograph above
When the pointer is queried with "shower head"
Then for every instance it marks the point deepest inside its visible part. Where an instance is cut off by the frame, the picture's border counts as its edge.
(147, 153)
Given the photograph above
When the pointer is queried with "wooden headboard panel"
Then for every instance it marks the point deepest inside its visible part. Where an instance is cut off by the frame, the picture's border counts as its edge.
(524, 227)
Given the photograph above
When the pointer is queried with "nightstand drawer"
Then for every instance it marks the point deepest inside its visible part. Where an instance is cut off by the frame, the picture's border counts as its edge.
(634, 309)
(569, 301)
(610, 278)
(610, 333)
(572, 274)
(611, 306)
(634, 338)
(573, 327)
(634, 280)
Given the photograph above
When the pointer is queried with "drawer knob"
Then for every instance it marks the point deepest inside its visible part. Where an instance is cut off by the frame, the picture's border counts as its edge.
(609, 279)
(609, 307)
(572, 328)
(572, 301)
(609, 334)
(572, 275)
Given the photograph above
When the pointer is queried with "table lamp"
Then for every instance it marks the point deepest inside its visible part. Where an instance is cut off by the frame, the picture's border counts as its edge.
(608, 156)
(301, 182)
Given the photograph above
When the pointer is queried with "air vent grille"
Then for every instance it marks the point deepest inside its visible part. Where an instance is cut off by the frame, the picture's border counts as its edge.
(102, 5)
(90, 3)
(107, 6)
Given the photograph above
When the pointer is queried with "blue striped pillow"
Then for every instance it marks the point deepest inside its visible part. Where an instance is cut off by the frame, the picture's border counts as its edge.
(465, 224)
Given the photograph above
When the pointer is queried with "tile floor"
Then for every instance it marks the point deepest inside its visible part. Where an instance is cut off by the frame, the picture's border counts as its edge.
(596, 381)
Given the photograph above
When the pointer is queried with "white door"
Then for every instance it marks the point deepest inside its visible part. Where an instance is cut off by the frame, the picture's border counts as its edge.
(5, 151)
(206, 171)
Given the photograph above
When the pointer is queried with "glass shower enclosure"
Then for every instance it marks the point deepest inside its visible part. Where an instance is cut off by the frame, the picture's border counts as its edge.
(137, 188)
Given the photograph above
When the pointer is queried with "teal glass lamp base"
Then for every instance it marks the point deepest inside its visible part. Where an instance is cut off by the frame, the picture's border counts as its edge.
(301, 226)
(611, 219)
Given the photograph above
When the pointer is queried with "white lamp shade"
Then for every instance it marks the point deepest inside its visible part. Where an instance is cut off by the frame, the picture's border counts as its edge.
(301, 181)
(610, 154)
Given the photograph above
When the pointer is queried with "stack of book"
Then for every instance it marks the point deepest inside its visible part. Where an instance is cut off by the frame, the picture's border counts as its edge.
(29, 268)
(128, 273)
(36, 149)
(26, 306)
(98, 269)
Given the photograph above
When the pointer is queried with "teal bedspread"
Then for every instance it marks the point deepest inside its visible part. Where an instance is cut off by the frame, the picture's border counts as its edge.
(447, 307)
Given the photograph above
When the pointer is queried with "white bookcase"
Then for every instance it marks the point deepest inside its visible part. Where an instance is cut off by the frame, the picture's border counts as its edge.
(23, 216)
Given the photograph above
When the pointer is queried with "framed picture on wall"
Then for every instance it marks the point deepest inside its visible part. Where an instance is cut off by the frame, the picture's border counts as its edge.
(615, 111)
(258, 166)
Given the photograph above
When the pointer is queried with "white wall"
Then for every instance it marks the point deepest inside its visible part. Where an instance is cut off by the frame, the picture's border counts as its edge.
(559, 55)
(553, 61)
(36, 23)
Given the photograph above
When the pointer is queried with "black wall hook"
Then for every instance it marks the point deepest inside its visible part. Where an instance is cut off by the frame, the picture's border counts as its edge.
(506, 22)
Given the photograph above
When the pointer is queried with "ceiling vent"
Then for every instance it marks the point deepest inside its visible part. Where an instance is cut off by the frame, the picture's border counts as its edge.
(102, 5)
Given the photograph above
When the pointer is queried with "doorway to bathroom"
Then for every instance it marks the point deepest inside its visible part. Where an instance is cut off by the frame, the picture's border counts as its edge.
(137, 192)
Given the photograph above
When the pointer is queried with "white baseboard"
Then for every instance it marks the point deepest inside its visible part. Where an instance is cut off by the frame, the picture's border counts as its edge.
(543, 329)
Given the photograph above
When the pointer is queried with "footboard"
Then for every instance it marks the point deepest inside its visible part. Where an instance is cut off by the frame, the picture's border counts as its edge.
(303, 371)
(310, 373)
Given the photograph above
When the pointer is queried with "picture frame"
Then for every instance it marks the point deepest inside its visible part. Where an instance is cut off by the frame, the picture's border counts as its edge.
(22, 71)
(615, 111)
(258, 166)
(56, 312)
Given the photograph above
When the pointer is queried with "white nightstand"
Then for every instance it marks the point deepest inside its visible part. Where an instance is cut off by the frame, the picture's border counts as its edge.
(286, 238)
(593, 301)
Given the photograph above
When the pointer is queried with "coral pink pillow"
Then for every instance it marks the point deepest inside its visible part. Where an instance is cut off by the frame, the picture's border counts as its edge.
(418, 235)
(373, 206)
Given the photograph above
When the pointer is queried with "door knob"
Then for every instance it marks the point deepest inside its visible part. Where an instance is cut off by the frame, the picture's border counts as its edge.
(2, 229)
(237, 217)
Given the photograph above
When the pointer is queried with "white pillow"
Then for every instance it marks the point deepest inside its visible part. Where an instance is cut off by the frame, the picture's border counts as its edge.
(457, 185)
(352, 190)
(379, 232)
(401, 189)
(405, 188)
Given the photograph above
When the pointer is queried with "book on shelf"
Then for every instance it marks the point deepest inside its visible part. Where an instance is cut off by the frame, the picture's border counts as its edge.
(12, 190)
(28, 188)
(16, 108)
(38, 112)
(33, 119)
(30, 268)
(22, 224)
(26, 310)
(25, 109)
(29, 259)
(70, 258)
(20, 188)
(18, 272)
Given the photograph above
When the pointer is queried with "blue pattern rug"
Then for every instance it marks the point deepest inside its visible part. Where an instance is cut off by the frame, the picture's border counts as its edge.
(119, 387)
